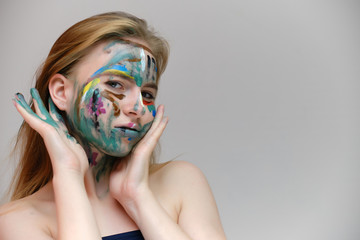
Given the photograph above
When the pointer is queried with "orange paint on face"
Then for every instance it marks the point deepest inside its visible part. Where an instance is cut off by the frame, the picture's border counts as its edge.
(147, 103)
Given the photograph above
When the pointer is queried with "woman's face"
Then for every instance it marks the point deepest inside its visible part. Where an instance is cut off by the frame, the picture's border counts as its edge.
(113, 98)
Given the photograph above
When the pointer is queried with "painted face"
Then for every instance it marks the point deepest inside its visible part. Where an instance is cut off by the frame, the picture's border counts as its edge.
(114, 106)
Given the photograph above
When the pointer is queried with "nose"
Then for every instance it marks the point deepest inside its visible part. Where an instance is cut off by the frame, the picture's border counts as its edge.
(132, 104)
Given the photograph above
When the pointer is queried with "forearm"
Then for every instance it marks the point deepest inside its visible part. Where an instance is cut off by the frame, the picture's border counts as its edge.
(75, 217)
(153, 220)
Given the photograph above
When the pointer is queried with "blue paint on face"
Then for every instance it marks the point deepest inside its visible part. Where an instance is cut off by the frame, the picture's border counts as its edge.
(121, 68)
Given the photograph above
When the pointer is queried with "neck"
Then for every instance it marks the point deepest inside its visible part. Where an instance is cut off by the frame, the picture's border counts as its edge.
(100, 166)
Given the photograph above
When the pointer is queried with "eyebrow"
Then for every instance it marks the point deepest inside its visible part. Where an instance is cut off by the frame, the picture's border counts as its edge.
(151, 85)
(129, 78)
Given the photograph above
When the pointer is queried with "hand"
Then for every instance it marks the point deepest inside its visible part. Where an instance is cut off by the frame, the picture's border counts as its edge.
(129, 180)
(65, 152)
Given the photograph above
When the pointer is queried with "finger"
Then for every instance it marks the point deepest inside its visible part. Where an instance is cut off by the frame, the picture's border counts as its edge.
(159, 113)
(155, 136)
(148, 143)
(158, 118)
(54, 112)
(20, 100)
(26, 112)
(42, 109)
(37, 110)
(39, 105)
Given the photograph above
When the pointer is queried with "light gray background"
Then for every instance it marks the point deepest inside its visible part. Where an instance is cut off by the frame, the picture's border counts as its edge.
(263, 96)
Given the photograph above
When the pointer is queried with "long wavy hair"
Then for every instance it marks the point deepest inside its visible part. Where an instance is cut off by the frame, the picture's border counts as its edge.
(34, 169)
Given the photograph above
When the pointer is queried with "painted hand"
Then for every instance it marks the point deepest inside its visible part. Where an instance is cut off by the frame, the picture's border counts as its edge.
(65, 152)
(129, 180)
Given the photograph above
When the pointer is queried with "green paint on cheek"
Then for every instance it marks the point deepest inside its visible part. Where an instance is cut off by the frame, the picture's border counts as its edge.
(136, 106)
(111, 140)
(143, 111)
(151, 107)
(144, 129)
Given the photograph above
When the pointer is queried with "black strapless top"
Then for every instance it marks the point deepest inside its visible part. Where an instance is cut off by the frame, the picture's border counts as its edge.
(133, 235)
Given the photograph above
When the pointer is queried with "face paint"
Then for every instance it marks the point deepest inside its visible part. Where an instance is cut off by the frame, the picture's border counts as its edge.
(96, 117)
(141, 101)
(131, 62)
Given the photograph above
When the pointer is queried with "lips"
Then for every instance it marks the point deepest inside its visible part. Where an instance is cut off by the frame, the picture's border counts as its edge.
(128, 132)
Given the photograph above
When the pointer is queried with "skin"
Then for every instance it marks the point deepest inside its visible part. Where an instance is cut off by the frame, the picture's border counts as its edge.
(165, 201)
(128, 79)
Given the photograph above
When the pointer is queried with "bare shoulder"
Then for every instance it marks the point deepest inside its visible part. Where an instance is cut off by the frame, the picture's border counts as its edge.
(21, 219)
(180, 179)
(178, 174)
(178, 167)
(189, 189)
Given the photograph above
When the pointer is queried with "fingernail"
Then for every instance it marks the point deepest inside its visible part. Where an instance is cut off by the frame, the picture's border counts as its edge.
(19, 96)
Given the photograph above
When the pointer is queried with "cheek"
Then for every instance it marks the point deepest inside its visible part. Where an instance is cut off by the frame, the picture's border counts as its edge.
(149, 115)
(152, 109)
(112, 101)
(93, 109)
(94, 104)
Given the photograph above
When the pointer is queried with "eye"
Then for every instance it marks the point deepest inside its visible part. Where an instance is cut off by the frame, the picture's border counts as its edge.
(115, 84)
(147, 96)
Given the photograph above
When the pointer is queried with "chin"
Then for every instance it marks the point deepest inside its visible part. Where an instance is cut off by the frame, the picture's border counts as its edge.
(117, 154)
(122, 152)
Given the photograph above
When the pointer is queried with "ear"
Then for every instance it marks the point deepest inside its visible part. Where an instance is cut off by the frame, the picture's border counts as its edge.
(60, 89)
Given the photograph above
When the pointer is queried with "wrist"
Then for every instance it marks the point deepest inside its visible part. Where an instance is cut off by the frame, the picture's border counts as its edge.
(68, 166)
(134, 205)
(65, 177)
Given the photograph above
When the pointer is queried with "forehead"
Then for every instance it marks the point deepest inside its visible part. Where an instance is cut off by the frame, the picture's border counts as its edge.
(133, 57)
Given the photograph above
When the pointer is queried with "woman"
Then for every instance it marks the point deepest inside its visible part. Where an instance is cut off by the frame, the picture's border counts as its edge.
(87, 168)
